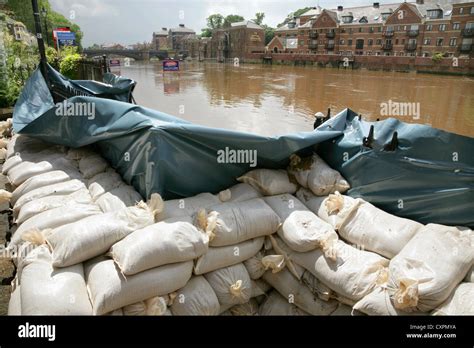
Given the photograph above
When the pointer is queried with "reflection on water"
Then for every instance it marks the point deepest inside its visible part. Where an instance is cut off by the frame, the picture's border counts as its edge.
(271, 100)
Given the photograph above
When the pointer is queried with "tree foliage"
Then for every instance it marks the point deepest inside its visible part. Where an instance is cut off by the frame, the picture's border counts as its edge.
(232, 19)
(259, 16)
(290, 16)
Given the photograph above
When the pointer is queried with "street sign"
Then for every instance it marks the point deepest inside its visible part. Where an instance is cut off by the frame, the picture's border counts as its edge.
(66, 38)
(114, 62)
(171, 65)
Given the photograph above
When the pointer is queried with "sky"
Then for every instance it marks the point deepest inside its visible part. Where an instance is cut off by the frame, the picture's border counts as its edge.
(131, 21)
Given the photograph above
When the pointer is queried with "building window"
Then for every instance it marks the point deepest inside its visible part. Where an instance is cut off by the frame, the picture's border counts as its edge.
(427, 41)
(439, 41)
(359, 44)
(472, 10)
(371, 29)
(341, 42)
(349, 42)
(442, 27)
(343, 30)
(429, 27)
(380, 29)
(301, 32)
(435, 14)
(361, 30)
(456, 26)
(396, 41)
(461, 10)
(426, 54)
(301, 42)
(347, 19)
(452, 41)
(379, 41)
(370, 42)
(351, 30)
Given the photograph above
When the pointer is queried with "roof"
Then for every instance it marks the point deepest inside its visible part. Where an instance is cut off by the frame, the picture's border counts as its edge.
(181, 30)
(161, 33)
(248, 24)
(315, 11)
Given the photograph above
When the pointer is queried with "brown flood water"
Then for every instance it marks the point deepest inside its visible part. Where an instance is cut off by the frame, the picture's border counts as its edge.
(275, 100)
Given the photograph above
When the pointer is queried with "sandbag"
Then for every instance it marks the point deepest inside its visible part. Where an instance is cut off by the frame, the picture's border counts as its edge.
(14, 305)
(342, 310)
(62, 188)
(298, 294)
(45, 179)
(313, 173)
(110, 203)
(378, 302)
(92, 165)
(269, 182)
(54, 218)
(21, 144)
(25, 170)
(40, 205)
(377, 231)
(187, 206)
(302, 230)
(333, 209)
(49, 291)
(239, 193)
(127, 194)
(104, 182)
(155, 306)
(430, 266)
(79, 241)
(221, 257)
(352, 274)
(231, 284)
(232, 223)
(109, 289)
(196, 298)
(460, 302)
(169, 241)
(245, 309)
(276, 305)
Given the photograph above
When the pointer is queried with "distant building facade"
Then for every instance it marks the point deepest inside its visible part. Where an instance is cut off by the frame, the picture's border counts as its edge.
(160, 39)
(422, 28)
(176, 37)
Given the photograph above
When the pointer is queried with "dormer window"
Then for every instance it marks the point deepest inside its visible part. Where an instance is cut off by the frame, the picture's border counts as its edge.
(347, 19)
(385, 15)
(435, 14)
(363, 20)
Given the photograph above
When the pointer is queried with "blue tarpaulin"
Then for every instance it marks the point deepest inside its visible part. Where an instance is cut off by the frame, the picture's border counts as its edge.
(429, 177)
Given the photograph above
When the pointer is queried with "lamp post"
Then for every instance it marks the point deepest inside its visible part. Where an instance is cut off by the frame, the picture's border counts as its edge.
(44, 13)
(39, 38)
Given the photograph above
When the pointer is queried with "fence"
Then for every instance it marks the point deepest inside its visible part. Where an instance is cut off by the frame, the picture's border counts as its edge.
(92, 69)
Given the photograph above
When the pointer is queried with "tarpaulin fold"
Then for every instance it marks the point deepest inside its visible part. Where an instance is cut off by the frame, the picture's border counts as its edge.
(429, 177)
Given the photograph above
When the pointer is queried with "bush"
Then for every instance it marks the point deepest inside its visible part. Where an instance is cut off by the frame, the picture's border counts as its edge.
(69, 62)
(437, 57)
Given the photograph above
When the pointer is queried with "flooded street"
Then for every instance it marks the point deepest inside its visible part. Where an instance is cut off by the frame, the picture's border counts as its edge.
(274, 100)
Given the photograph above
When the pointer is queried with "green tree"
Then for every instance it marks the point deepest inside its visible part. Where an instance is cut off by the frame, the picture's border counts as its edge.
(232, 19)
(269, 34)
(23, 12)
(290, 16)
(259, 16)
(215, 21)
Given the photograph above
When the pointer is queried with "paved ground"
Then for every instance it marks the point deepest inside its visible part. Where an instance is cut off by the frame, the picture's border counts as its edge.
(6, 267)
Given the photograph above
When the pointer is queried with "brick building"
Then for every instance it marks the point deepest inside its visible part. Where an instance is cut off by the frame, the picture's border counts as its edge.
(176, 36)
(421, 28)
(160, 39)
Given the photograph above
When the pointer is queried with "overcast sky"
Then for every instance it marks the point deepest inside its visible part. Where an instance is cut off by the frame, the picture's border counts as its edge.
(131, 21)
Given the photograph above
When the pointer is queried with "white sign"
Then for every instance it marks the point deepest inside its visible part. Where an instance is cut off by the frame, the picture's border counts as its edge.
(291, 43)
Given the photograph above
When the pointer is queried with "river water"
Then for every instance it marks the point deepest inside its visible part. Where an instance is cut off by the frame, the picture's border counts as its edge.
(273, 100)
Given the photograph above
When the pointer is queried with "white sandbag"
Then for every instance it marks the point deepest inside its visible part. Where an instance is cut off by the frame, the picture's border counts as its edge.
(79, 241)
(109, 289)
(430, 266)
(314, 285)
(169, 241)
(315, 174)
(49, 291)
(232, 223)
(110, 203)
(127, 194)
(269, 182)
(460, 302)
(254, 266)
(342, 310)
(378, 231)
(231, 284)
(298, 294)
(40, 205)
(245, 309)
(155, 306)
(104, 182)
(352, 274)
(378, 302)
(45, 179)
(62, 188)
(14, 305)
(220, 257)
(25, 170)
(333, 209)
(259, 288)
(54, 218)
(92, 165)
(276, 305)
(3, 154)
(196, 298)
(187, 206)
(470, 276)
(302, 230)
(24, 146)
(239, 193)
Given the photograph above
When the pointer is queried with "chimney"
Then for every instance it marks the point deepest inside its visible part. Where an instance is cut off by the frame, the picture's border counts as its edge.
(181, 25)
(164, 29)
(420, 2)
(376, 4)
(340, 8)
